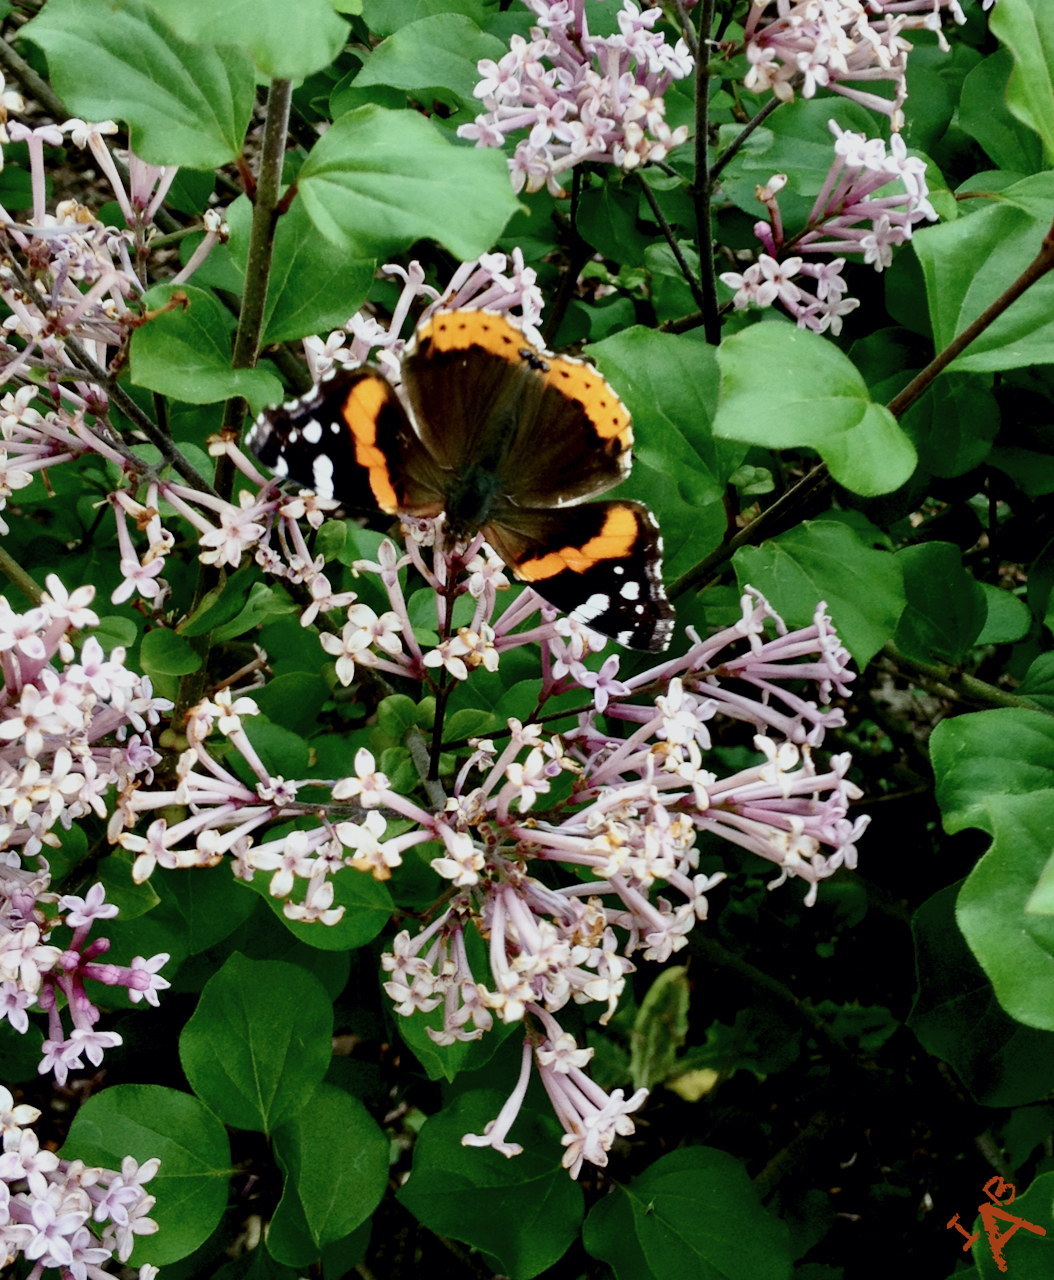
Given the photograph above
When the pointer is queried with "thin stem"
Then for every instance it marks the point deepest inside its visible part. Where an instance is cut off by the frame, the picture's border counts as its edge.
(123, 401)
(671, 240)
(1036, 270)
(578, 255)
(18, 577)
(268, 185)
(959, 686)
(785, 512)
(35, 86)
(701, 187)
(265, 220)
(736, 145)
(687, 30)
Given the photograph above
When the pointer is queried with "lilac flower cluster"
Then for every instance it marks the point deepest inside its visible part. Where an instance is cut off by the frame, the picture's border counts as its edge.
(599, 98)
(46, 1203)
(850, 215)
(638, 802)
(64, 746)
(638, 805)
(836, 44)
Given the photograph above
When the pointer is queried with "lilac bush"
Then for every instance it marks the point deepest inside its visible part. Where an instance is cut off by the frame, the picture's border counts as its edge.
(344, 878)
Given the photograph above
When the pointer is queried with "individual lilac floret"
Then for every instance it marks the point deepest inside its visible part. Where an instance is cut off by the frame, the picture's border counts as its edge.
(837, 45)
(854, 213)
(580, 97)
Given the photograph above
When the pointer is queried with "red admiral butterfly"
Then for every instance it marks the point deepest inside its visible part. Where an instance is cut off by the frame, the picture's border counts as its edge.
(504, 439)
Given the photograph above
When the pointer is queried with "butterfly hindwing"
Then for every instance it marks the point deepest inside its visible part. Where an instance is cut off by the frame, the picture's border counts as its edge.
(600, 562)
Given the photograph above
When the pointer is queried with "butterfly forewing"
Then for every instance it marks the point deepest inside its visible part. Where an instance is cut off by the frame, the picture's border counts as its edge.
(351, 439)
(550, 427)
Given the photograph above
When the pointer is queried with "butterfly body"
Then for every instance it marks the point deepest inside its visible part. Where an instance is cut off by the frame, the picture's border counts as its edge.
(502, 438)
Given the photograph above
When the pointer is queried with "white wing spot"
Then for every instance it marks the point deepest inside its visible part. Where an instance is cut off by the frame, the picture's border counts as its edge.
(592, 608)
(630, 590)
(322, 471)
(313, 431)
(281, 467)
(293, 436)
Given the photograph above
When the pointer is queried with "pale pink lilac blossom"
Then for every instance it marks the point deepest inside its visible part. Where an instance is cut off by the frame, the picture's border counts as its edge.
(580, 97)
(854, 213)
(839, 45)
(64, 747)
(46, 1203)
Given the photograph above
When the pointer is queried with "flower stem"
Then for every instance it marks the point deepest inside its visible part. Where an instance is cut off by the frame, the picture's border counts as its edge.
(18, 577)
(258, 262)
(702, 186)
(1036, 270)
(675, 248)
(192, 687)
(736, 145)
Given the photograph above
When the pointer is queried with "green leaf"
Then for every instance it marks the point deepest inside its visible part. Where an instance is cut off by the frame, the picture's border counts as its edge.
(20, 1054)
(165, 653)
(378, 180)
(784, 387)
(946, 606)
(266, 602)
(1026, 27)
(525, 1212)
(145, 1121)
(220, 604)
(967, 265)
(132, 900)
(367, 909)
(984, 115)
(607, 220)
(1015, 949)
(186, 353)
(337, 1158)
(294, 700)
(438, 52)
(1032, 472)
(1038, 684)
(953, 423)
(669, 383)
(213, 906)
(281, 48)
(958, 1019)
(186, 104)
(692, 1213)
(114, 630)
(826, 560)
(1008, 618)
(313, 286)
(660, 1028)
(1008, 752)
(258, 1043)
(385, 16)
